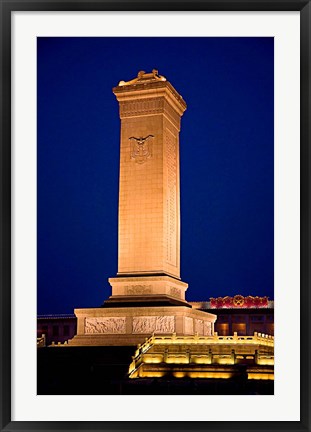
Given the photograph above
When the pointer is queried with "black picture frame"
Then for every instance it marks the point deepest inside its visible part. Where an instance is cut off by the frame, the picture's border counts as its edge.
(8, 6)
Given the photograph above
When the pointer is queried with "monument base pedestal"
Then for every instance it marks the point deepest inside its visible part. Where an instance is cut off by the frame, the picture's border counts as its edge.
(121, 326)
(130, 288)
(144, 301)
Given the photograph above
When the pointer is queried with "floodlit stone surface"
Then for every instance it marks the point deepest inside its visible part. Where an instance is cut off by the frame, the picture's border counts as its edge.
(205, 357)
(149, 202)
(150, 285)
(131, 325)
(149, 225)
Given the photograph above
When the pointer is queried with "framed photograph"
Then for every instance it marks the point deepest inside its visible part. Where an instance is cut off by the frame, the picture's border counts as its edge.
(241, 73)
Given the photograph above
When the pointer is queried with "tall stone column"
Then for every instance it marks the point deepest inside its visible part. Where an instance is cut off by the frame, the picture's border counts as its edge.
(149, 195)
(148, 296)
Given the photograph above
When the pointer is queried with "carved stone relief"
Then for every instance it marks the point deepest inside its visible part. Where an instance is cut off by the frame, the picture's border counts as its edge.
(175, 292)
(104, 325)
(141, 107)
(155, 324)
(141, 148)
(199, 327)
(189, 325)
(207, 328)
(138, 289)
(172, 115)
(149, 106)
(171, 201)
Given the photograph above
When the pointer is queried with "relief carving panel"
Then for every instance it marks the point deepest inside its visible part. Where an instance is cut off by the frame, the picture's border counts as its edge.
(149, 106)
(199, 327)
(141, 107)
(189, 325)
(138, 289)
(172, 115)
(171, 200)
(155, 324)
(175, 292)
(104, 325)
(207, 328)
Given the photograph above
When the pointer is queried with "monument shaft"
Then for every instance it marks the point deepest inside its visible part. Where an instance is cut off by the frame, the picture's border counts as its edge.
(149, 203)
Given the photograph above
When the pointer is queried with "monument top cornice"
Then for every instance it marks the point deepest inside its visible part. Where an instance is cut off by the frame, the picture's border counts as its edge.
(143, 77)
(146, 85)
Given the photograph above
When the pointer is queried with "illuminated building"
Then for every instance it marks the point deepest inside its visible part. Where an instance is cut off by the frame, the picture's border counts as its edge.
(212, 357)
(56, 328)
(244, 315)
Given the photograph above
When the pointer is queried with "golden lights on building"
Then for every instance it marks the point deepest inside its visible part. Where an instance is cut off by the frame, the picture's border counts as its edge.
(221, 357)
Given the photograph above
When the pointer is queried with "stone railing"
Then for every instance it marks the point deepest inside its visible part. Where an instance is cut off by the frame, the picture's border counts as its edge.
(257, 339)
(205, 350)
(41, 341)
(58, 344)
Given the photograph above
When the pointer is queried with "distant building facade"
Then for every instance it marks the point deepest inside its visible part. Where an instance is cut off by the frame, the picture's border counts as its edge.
(243, 315)
(56, 328)
(234, 314)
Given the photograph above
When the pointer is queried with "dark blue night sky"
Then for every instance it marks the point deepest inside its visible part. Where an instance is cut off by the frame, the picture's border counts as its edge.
(226, 161)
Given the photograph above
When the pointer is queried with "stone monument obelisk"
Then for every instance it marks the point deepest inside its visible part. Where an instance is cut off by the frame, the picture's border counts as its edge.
(149, 203)
(147, 293)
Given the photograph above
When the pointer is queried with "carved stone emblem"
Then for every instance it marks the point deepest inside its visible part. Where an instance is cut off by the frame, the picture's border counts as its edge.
(138, 289)
(141, 148)
(175, 292)
(155, 324)
(105, 325)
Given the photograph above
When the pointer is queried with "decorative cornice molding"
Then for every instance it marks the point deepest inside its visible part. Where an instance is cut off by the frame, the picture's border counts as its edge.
(153, 90)
(139, 107)
(149, 106)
